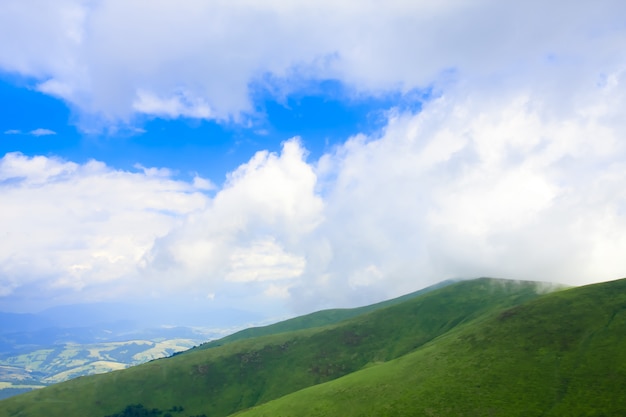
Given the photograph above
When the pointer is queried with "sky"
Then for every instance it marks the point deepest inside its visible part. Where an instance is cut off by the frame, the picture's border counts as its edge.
(284, 157)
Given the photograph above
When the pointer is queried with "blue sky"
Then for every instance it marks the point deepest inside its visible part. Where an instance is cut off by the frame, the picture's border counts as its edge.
(286, 157)
(323, 115)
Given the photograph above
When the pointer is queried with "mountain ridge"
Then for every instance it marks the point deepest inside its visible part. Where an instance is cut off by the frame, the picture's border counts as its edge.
(560, 354)
(318, 318)
(227, 379)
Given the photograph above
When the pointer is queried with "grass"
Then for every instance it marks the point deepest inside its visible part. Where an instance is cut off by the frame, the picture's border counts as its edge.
(316, 319)
(561, 355)
(376, 362)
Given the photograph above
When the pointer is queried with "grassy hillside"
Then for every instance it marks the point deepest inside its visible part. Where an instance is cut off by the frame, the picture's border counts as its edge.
(241, 374)
(561, 355)
(316, 319)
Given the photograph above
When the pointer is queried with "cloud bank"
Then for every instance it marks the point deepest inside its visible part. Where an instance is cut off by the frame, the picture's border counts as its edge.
(465, 187)
(514, 167)
(69, 227)
(203, 59)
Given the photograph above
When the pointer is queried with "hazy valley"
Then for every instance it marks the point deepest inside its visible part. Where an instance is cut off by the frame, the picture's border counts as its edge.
(37, 350)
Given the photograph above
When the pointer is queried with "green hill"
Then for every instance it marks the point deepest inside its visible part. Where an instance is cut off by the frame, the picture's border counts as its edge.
(316, 319)
(561, 355)
(222, 380)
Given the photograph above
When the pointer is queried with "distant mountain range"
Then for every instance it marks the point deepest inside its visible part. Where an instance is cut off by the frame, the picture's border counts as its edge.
(483, 347)
(123, 317)
(69, 341)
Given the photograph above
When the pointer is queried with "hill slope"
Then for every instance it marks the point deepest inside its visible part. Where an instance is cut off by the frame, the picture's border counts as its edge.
(316, 319)
(241, 374)
(561, 355)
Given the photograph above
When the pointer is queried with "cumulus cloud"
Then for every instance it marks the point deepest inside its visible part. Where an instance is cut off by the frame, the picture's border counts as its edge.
(467, 186)
(472, 187)
(76, 228)
(87, 231)
(514, 167)
(200, 59)
(253, 230)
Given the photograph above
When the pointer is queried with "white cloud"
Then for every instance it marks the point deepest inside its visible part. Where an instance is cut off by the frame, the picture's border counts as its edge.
(253, 230)
(36, 170)
(472, 187)
(180, 104)
(515, 168)
(199, 59)
(474, 184)
(264, 260)
(35, 132)
(154, 172)
(467, 187)
(203, 183)
(42, 132)
(81, 227)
